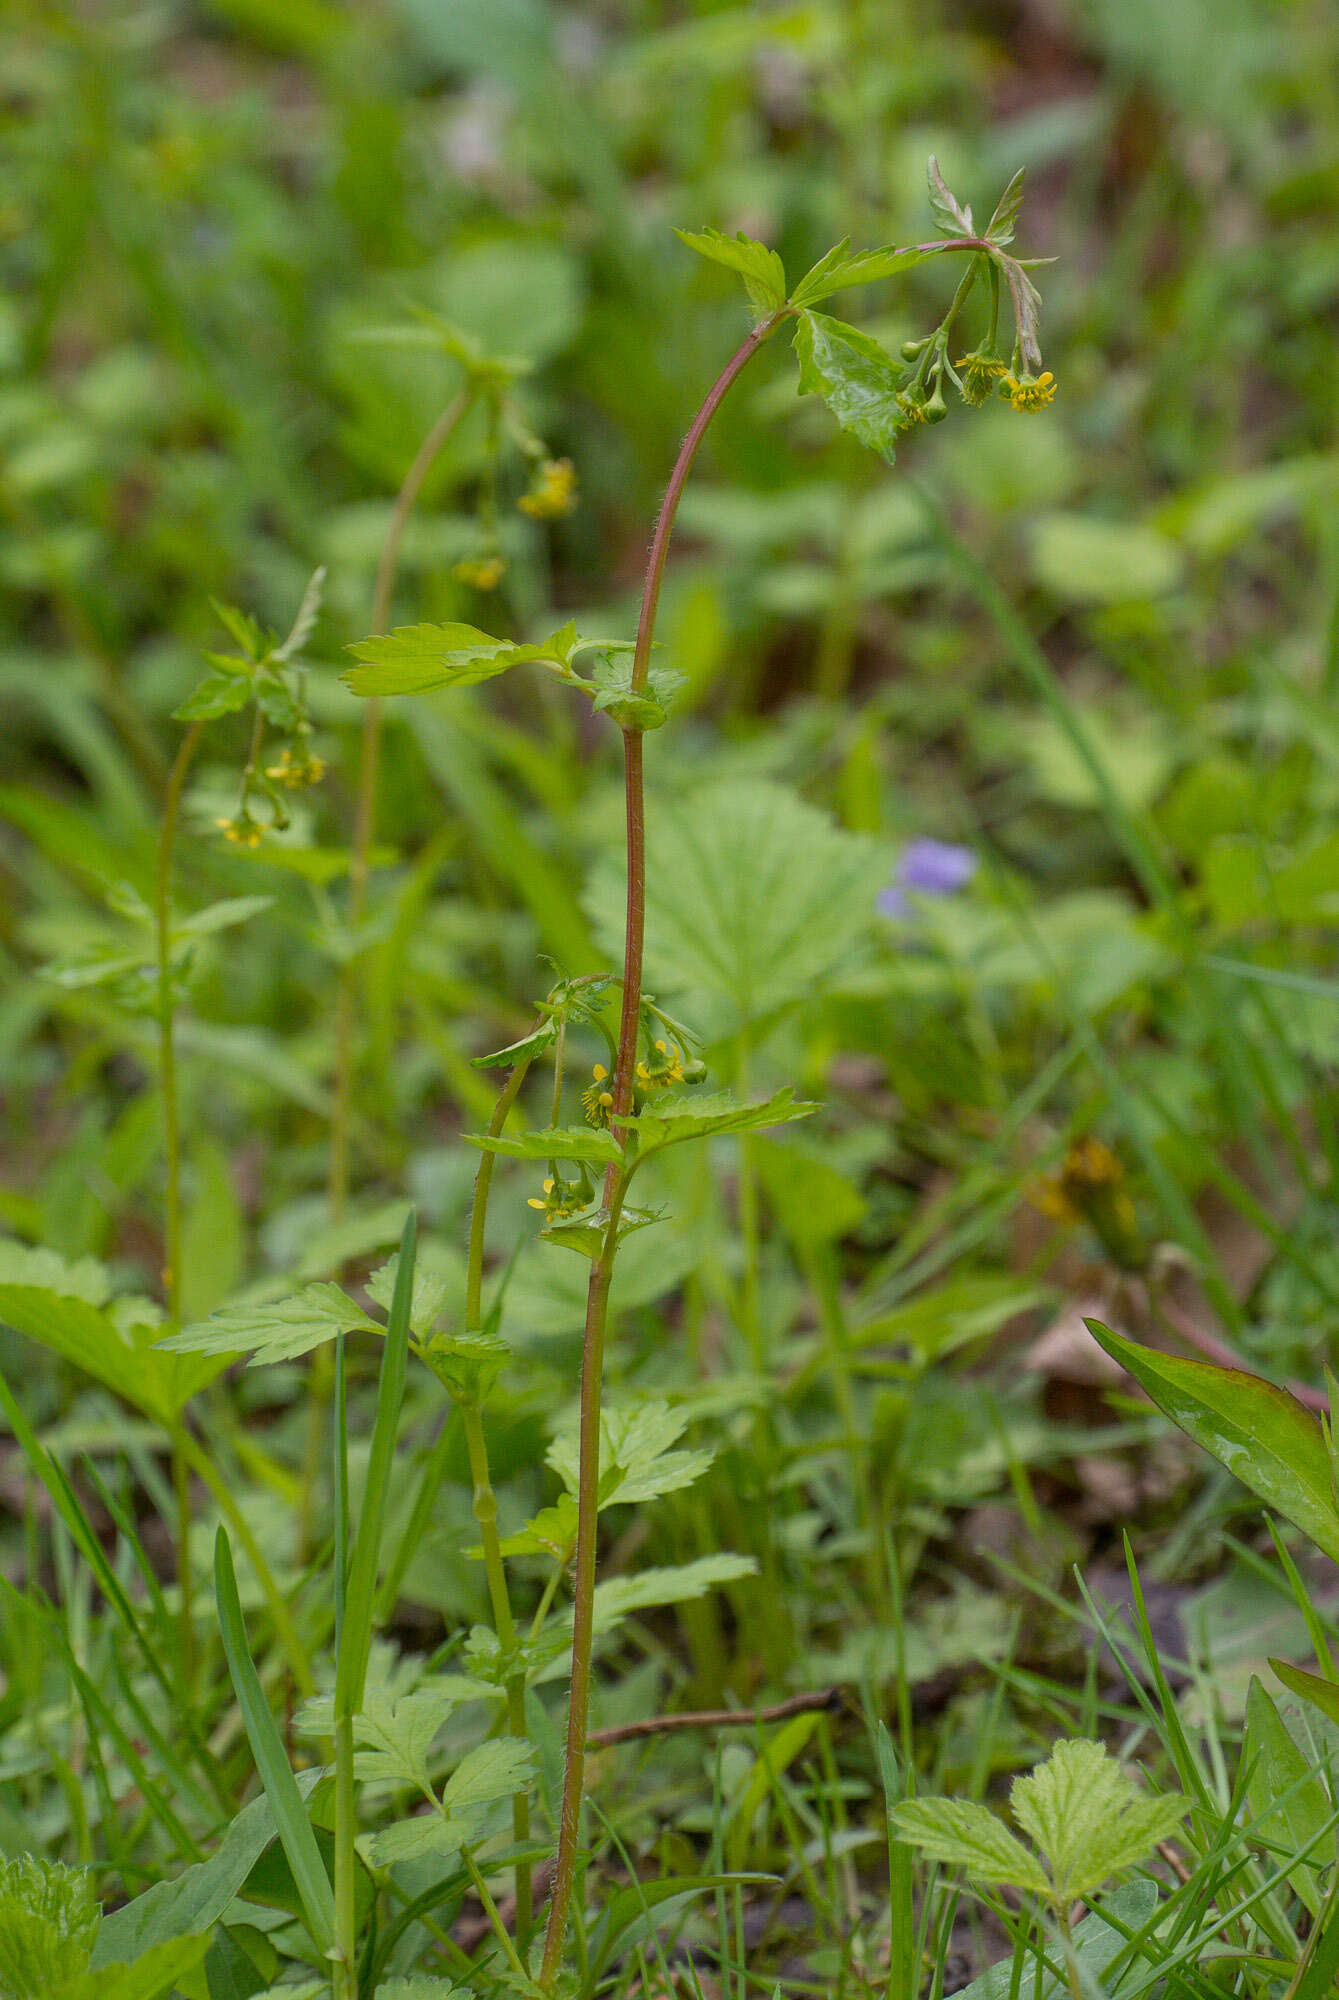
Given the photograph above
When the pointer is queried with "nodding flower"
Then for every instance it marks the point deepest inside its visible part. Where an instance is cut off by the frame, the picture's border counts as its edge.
(553, 493)
(597, 1097)
(660, 1069)
(1029, 392)
(480, 572)
(296, 772)
(980, 375)
(561, 1199)
(242, 831)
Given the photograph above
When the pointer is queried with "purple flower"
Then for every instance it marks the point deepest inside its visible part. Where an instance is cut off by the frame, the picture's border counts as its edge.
(927, 868)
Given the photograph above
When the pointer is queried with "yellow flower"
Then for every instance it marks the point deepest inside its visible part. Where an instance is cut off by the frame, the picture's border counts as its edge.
(296, 772)
(560, 1201)
(480, 572)
(241, 832)
(660, 1068)
(597, 1097)
(553, 492)
(1029, 392)
(980, 373)
(913, 411)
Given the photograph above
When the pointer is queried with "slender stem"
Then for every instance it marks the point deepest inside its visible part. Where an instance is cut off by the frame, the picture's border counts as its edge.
(344, 1981)
(167, 1070)
(364, 820)
(615, 1184)
(714, 1718)
(485, 1513)
(167, 1052)
(485, 1502)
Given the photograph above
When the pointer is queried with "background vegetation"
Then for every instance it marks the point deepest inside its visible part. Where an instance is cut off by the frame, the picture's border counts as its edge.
(1097, 647)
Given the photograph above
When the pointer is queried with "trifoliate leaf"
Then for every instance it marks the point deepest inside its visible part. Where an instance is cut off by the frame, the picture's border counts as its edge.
(837, 271)
(761, 269)
(670, 1121)
(394, 1737)
(1088, 1818)
(49, 1919)
(962, 1834)
(416, 658)
(855, 377)
(556, 1142)
(276, 1332)
(1000, 228)
(951, 218)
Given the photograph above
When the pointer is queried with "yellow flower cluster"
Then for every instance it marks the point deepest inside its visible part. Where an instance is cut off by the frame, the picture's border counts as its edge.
(296, 772)
(1028, 392)
(480, 572)
(553, 492)
(241, 832)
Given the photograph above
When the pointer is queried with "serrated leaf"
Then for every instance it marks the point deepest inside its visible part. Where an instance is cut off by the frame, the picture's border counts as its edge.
(526, 1049)
(671, 1121)
(551, 1532)
(678, 1583)
(837, 272)
(1088, 1818)
(417, 658)
(24, 1264)
(637, 1461)
(647, 709)
(1000, 228)
(221, 916)
(48, 1921)
(586, 1234)
(855, 377)
(755, 900)
(491, 1772)
(951, 218)
(279, 1331)
(436, 1284)
(427, 1835)
(762, 270)
(394, 1737)
(556, 1142)
(1260, 1433)
(962, 1834)
(217, 694)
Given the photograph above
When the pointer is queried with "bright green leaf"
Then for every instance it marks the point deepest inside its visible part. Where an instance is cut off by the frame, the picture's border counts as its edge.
(1088, 1818)
(276, 1332)
(857, 380)
(761, 269)
(961, 1834)
(670, 1121)
(574, 1142)
(837, 272)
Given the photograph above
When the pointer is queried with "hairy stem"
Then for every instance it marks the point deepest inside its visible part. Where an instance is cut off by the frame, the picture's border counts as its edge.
(602, 1270)
(365, 807)
(167, 1070)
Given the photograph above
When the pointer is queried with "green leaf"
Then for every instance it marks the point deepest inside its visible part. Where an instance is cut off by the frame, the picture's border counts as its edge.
(192, 1904)
(754, 900)
(290, 1814)
(551, 1532)
(555, 1142)
(217, 694)
(857, 380)
(439, 1280)
(45, 1270)
(648, 709)
(1260, 1433)
(396, 1736)
(837, 271)
(417, 658)
(1000, 228)
(48, 1922)
(1323, 1695)
(493, 1771)
(677, 1583)
(951, 218)
(276, 1332)
(964, 1835)
(423, 1986)
(761, 269)
(586, 1233)
(221, 916)
(525, 1050)
(427, 1836)
(670, 1121)
(637, 1461)
(1088, 1818)
(1097, 1945)
(160, 1970)
(1290, 1806)
(128, 1362)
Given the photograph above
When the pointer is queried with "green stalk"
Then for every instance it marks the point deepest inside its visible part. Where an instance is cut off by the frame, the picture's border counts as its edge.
(167, 1070)
(485, 1500)
(365, 807)
(615, 1185)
